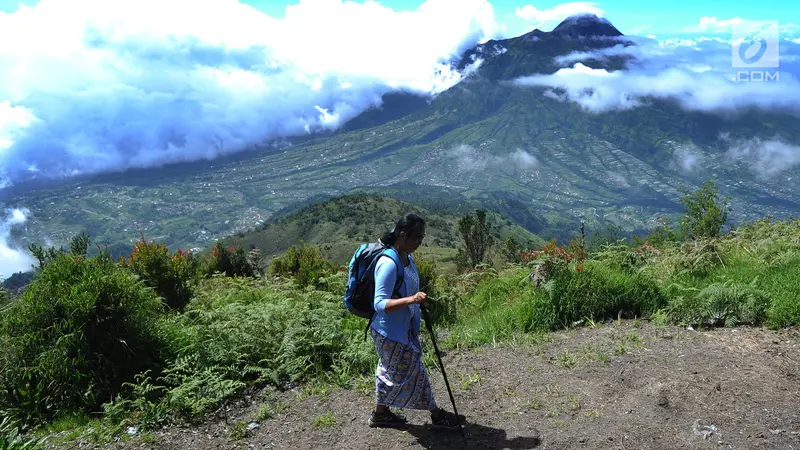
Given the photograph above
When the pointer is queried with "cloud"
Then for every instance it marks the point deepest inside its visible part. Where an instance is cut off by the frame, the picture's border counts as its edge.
(697, 73)
(471, 159)
(93, 86)
(713, 24)
(523, 159)
(546, 18)
(639, 29)
(12, 259)
(617, 50)
(765, 157)
(688, 159)
(618, 179)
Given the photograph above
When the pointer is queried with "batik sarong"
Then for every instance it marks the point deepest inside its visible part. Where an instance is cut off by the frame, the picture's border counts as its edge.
(401, 380)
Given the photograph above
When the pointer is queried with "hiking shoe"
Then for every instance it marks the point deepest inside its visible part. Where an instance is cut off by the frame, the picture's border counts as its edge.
(387, 420)
(448, 421)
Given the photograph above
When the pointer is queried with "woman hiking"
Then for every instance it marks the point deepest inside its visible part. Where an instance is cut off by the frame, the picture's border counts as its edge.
(401, 380)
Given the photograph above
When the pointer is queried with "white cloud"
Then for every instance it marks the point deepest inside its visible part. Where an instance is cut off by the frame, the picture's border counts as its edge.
(618, 179)
(558, 13)
(616, 50)
(13, 119)
(765, 157)
(638, 29)
(713, 24)
(12, 259)
(689, 159)
(470, 159)
(523, 159)
(104, 85)
(697, 74)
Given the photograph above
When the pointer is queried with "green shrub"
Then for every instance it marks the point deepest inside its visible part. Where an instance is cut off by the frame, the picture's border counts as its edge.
(499, 308)
(442, 303)
(780, 281)
(625, 257)
(726, 303)
(11, 437)
(5, 298)
(81, 329)
(303, 263)
(312, 339)
(599, 292)
(335, 283)
(230, 260)
(172, 276)
(78, 246)
(693, 259)
(239, 332)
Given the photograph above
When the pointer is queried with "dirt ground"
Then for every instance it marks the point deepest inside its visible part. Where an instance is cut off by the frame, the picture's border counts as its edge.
(622, 385)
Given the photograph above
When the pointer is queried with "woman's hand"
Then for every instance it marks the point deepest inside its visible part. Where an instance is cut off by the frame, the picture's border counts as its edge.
(398, 304)
(419, 298)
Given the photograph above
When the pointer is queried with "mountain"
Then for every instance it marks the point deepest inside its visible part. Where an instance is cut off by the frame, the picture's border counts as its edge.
(585, 26)
(535, 52)
(338, 225)
(542, 161)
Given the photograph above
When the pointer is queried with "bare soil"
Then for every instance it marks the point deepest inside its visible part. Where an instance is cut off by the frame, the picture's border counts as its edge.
(621, 385)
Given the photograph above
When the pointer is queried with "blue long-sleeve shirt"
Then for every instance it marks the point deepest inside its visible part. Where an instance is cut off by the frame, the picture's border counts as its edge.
(395, 325)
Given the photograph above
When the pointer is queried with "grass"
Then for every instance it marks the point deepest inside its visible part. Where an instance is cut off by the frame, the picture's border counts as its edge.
(326, 421)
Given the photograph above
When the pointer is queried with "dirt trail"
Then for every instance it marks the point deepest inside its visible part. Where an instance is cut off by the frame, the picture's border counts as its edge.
(619, 386)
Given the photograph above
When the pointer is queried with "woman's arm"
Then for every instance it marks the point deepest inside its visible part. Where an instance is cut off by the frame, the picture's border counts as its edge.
(385, 278)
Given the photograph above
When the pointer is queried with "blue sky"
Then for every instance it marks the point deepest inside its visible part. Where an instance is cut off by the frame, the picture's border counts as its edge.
(665, 18)
(673, 18)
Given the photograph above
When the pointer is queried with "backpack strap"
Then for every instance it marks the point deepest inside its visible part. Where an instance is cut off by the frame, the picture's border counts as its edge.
(390, 252)
(353, 270)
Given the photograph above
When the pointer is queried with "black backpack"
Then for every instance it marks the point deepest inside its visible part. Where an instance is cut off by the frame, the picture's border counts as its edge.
(360, 294)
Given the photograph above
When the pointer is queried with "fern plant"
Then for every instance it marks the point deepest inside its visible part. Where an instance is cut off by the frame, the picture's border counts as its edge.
(723, 303)
(11, 437)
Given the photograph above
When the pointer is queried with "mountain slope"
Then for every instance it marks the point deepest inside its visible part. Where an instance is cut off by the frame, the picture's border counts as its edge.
(338, 225)
(484, 141)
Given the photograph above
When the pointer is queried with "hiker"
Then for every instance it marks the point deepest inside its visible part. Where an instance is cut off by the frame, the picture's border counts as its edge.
(401, 380)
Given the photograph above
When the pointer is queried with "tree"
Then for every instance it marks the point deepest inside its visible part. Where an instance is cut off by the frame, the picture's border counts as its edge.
(476, 233)
(78, 246)
(706, 212)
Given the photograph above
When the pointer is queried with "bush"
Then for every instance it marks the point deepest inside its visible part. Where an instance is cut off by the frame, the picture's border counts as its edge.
(303, 263)
(11, 437)
(172, 276)
(599, 293)
(230, 260)
(727, 303)
(245, 331)
(5, 298)
(77, 247)
(694, 259)
(81, 329)
(442, 303)
(624, 257)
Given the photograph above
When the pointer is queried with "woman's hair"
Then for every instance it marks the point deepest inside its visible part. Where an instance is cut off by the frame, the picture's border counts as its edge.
(408, 224)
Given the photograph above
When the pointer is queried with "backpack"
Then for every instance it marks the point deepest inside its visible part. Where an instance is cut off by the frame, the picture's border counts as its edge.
(360, 293)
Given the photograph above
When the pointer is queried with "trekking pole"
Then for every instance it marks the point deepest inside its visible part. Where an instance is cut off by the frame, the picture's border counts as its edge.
(441, 364)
